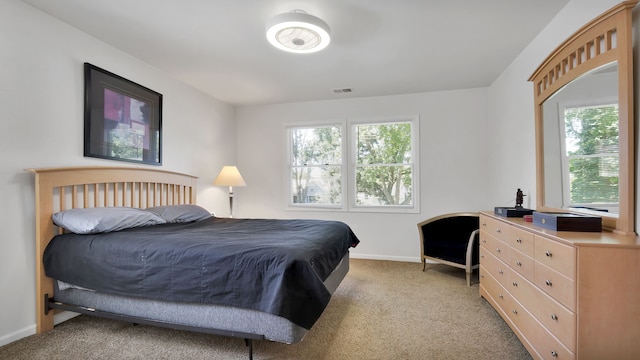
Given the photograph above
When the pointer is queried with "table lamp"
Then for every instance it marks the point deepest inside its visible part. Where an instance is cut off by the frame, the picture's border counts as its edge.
(229, 176)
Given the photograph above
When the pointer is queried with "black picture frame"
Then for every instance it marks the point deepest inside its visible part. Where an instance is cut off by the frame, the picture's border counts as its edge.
(122, 119)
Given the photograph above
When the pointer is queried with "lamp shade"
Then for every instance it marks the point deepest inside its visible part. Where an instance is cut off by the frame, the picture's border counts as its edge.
(229, 176)
(298, 32)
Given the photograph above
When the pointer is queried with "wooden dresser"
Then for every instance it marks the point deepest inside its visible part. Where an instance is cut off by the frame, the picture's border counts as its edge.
(566, 295)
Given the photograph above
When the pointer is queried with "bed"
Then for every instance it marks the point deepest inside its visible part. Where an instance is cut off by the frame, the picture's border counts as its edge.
(257, 279)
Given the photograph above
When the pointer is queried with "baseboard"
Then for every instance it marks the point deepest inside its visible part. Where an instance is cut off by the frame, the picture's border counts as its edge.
(17, 335)
(31, 330)
(63, 316)
(382, 257)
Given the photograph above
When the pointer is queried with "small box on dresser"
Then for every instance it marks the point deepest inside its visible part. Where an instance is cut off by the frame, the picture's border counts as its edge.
(567, 221)
(511, 211)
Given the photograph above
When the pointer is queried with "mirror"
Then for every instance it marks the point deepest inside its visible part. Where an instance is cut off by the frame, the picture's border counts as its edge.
(580, 144)
(584, 123)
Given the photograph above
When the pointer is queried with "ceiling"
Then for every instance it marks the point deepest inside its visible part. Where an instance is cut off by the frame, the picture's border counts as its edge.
(378, 47)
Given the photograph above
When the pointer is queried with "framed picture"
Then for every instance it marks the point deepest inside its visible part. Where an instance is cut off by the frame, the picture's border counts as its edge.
(122, 119)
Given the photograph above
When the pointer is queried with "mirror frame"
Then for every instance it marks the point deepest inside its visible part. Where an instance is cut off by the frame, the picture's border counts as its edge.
(605, 39)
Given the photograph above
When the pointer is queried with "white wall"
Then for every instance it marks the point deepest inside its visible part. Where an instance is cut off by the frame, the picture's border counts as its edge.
(452, 154)
(41, 112)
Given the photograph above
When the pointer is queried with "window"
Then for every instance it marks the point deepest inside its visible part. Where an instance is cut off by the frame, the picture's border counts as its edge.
(383, 164)
(380, 174)
(316, 166)
(591, 155)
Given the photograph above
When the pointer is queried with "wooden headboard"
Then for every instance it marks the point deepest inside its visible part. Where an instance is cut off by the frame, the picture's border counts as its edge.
(59, 189)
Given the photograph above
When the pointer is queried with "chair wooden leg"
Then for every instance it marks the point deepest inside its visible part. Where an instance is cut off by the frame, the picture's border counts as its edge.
(468, 279)
(424, 265)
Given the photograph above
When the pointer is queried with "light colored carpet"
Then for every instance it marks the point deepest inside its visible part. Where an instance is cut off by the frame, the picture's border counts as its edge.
(382, 310)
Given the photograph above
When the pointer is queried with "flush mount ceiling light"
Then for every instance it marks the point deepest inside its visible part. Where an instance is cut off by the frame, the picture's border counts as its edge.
(298, 32)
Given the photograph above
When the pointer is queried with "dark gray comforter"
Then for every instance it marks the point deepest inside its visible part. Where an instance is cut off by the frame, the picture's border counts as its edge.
(275, 266)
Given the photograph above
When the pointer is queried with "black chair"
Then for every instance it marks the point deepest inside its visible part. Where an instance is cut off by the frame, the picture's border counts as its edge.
(451, 239)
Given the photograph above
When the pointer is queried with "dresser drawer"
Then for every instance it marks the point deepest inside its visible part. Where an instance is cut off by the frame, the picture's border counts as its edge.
(495, 246)
(556, 285)
(521, 263)
(498, 269)
(557, 256)
(500, 296)
(544, 342)
(559, 320)
(495, 228)
(488, 224)
(520, 240)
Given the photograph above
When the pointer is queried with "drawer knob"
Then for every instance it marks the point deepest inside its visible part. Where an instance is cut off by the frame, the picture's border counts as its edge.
(554, 354)
(498, 250)
(548, 253)
(554, 317)
(484, 241)
(498, 230)
(515, 283)
(501, 272)
(514, 311)
(501, 296)
(519, 241)
(482, 256)
(519, 263)
(549, 283)
(484, 223)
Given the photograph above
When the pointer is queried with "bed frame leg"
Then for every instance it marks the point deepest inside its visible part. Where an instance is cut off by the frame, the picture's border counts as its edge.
(46, 304)
(249, 343)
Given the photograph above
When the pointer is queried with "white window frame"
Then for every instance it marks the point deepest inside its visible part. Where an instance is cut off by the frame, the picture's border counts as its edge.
(290, 205)
(348, 170)
(414, 120)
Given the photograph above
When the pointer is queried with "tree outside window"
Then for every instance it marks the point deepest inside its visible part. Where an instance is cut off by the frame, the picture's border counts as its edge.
(383, 164)
(316, 165)
(591, 140)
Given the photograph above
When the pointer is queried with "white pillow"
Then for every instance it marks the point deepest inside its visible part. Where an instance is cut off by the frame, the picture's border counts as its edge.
(105, 219)
(180, 213)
